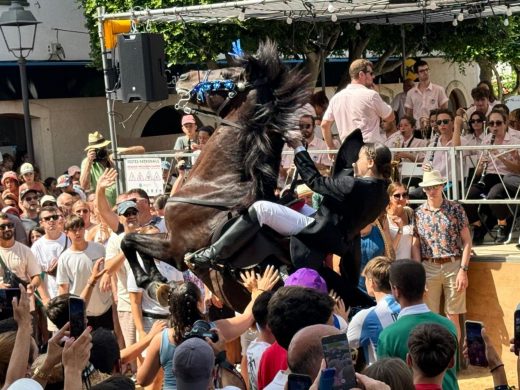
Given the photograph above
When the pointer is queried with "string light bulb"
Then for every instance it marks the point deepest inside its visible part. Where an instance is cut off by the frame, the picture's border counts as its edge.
(506, 21)
(433, 5)
(460, 16)
(242, 15)
(509, 12)
(288, 20)
(331, 7)
(358, 26)
(334, 18)
(455, 22)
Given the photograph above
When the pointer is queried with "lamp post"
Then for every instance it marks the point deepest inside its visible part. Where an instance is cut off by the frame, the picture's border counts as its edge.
(18, 28)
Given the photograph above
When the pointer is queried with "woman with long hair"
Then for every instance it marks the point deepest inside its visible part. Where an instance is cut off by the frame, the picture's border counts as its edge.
(186, 307)
(399, 218)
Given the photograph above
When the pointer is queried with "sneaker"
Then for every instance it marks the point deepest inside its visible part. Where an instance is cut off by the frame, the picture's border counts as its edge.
(502, 234)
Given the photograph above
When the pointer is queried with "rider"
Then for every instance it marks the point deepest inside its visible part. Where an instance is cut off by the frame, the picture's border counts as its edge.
(350, 202)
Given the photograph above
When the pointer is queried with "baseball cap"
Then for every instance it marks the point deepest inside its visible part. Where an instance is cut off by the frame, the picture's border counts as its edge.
(26, 168)
(9, 175)
(193, 362)
(188, 119)
(11, 210)
(26, 191)
(47, 198)
(73, 169)
(125, 205)
(9, 195)
(307, 277)
(63, 181)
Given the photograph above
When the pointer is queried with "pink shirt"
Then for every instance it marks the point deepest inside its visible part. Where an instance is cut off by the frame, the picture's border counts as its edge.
(495, 166)
(423, 102)
(358, 107)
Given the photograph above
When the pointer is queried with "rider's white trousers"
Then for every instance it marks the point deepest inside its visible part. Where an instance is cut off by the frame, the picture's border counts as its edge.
(281, 219)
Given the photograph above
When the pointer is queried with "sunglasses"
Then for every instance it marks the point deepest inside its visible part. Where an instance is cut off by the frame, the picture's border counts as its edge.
(403, 195)
(31, 198)
(443, 122)
(305, 126)
(54, 217)
(6, 226)
(432, 187)
(476, 121)
(82, 211)
(130, 213)
(495, 123)
(424, 70)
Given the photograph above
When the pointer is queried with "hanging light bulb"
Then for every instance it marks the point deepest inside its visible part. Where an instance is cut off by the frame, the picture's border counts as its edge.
(331, 8)
(506, 21)
(288, 20)
(334, 18)
(509, 12)
(433, 5)
(242, 15)
(455, 22)
(460, 16)
(358, 26)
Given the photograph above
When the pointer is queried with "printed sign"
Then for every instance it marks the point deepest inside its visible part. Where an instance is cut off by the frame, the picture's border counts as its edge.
(144, 173)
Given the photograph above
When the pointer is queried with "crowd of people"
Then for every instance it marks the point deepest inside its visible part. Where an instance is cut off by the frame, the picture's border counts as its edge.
(60, 239)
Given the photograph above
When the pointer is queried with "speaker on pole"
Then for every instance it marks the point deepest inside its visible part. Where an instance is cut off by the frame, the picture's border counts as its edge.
(140, 62)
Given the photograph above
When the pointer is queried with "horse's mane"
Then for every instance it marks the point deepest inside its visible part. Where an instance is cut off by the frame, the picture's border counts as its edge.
(279, 93)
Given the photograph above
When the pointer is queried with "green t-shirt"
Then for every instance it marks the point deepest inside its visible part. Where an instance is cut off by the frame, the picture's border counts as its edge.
(96, 170)
(393, 341)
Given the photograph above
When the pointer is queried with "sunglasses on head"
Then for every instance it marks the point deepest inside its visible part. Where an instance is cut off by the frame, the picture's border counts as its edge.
(443, 122)
(6, 226)
(476, 121)
(402, 195)
(495, 123)
(54, 217)
(304, 126)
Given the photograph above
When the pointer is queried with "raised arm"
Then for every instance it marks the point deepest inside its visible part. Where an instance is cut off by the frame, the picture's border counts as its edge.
(107, 179)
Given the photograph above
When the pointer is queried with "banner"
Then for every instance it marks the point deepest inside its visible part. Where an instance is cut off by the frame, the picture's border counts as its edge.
(144, 173)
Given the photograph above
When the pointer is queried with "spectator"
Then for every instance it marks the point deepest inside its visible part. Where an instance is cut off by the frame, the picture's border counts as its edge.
(320, 102)
(74, 173)
(265, 338)
(50, 184)
(11, 184)
(393, 372)
(48, 200)
(74, 268)
(35, 234)
(140, 197)
(16, 258)
(160, 204)
(290, 309)
(431, 353)
(65, 202)
(27, 174)
(29, 200)
(357, 106)
(189, 139)
(400, 220)
(442, 242)
(407, 129)
(487, 85)
(481, 104)
(398, 103)
(425, 96)
(203, 135)
(48, 249)
(390, 134)
(82, 210)
(366, 325)
(408, 282)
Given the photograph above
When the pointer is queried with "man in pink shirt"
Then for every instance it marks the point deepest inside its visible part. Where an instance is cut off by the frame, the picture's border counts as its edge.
(425, 96)
(357, 106)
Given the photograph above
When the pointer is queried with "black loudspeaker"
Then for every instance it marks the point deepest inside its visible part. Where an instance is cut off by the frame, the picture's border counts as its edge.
(140, 61)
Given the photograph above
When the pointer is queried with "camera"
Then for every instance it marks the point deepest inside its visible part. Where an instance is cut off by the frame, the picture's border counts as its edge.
(101, 154)
(201, 329)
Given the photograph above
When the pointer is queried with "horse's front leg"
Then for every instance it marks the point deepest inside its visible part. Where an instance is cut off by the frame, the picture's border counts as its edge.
(151, 268)
(129, 249)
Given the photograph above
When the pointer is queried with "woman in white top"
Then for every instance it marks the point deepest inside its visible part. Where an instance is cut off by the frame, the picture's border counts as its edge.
(400, 220)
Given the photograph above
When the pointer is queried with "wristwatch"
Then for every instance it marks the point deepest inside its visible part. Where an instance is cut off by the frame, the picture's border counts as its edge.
(464, 268)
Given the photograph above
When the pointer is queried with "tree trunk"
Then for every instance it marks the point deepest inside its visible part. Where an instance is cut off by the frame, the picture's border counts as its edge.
(312, 66)
(486, 69)
(499, 83)
(516, 88)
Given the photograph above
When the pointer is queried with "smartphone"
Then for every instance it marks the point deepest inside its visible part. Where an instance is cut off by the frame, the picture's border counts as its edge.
(517, 329)
(476, 346)
(76, 316)
(327, 379)
(299, 382)
(337, 355)
(6, 301)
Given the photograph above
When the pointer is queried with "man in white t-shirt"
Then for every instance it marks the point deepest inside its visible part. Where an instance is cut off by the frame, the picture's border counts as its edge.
(74, 269)
(366, 325)
(48, 249)
(358, 106)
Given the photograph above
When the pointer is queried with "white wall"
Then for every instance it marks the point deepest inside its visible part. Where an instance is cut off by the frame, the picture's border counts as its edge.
(60, 14)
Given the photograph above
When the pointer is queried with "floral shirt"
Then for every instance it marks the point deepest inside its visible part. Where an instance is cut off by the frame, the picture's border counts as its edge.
(439, 231)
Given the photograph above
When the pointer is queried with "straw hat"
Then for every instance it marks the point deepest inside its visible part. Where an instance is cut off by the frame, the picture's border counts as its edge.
(432, 178)
(96, 141)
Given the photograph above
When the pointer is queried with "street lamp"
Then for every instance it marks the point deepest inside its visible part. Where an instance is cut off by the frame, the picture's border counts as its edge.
(20, 42)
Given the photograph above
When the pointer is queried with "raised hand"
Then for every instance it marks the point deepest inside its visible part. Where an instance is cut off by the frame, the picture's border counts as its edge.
(107, 178)
(268, 279)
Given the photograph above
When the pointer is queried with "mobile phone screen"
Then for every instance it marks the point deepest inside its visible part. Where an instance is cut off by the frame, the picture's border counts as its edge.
(76, 316)
(6, 301)
(337, 355)
(476, 346)
(299, 382)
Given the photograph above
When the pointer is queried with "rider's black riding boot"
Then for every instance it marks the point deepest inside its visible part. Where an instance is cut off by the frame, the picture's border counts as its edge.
(238, 234)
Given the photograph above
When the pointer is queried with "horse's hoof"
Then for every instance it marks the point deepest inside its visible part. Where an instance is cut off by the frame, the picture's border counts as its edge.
(199, 259)
(153, 288)
(143, 281)
(157, 277)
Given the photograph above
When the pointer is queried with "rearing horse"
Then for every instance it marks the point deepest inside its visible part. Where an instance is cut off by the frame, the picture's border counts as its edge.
(238, 165)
